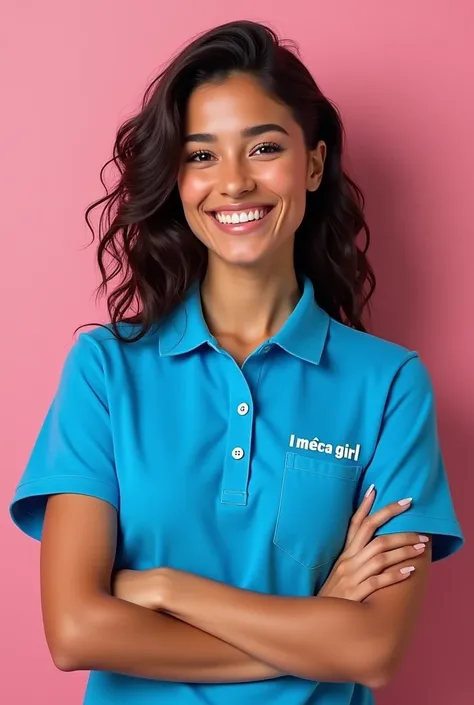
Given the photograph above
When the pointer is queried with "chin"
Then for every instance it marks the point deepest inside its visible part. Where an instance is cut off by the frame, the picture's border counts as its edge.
(244, 261)
(245, 257)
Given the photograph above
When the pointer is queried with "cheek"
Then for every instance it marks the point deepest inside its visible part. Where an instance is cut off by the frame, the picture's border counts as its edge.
(289, 184)
(286, 178)
(193, 188)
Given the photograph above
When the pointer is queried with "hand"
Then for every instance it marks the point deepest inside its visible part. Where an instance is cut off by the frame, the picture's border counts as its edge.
(142, 587)
(366, 563)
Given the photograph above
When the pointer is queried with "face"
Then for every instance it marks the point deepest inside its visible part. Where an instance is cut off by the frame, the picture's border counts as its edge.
(244, 173)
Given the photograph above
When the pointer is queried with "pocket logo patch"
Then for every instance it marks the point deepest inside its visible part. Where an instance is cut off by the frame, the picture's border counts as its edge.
(317, 446)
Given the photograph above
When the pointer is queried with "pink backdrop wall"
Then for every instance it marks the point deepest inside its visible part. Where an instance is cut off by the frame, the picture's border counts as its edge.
(401, 74)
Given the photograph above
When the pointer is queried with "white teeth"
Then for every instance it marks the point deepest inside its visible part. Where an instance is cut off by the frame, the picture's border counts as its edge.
(242, 217)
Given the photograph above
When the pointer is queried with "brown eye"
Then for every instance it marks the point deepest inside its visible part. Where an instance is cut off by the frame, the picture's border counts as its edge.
(269, 147)
(199, 153)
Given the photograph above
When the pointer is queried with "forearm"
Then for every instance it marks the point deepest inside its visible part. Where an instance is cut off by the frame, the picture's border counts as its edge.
(113, 635)
(325, 639)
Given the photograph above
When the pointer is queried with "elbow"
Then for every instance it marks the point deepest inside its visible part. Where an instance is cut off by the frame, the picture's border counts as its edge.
(383, 669)
(377, 679)
(63, 661)
(67, 642)
(65, 658)
(72, 633)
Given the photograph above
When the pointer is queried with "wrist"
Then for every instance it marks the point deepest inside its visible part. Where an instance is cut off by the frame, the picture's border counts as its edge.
(164, 589)
(140, 587)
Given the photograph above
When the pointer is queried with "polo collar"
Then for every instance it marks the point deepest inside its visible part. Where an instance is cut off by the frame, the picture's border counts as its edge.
(305, 330)
(303, 334)
(185, 328)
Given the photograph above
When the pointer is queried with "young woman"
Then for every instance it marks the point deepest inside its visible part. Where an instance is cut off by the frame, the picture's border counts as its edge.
(238, 489)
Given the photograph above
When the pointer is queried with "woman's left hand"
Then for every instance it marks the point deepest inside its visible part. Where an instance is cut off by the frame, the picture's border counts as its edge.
(142, 587)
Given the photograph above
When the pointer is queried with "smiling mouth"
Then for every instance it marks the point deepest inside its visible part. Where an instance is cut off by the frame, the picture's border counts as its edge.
(242, 217)
(240, 222)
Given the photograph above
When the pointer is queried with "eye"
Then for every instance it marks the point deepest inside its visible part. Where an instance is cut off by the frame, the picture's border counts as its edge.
(200, 156)
(199, 153)
(269, 147)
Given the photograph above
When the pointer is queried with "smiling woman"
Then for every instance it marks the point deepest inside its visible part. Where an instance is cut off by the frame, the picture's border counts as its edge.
(234, 125)
(216, 484)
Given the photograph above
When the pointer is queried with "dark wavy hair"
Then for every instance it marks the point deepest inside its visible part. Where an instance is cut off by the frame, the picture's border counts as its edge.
(144, 238)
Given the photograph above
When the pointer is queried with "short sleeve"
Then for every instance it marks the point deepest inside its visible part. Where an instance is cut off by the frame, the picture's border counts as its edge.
(407, 462)
(73, 452)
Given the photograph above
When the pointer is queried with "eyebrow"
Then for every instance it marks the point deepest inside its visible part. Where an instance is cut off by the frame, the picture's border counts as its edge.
(253, 131)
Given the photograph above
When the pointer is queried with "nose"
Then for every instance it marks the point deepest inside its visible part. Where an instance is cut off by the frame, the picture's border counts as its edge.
(234, 179)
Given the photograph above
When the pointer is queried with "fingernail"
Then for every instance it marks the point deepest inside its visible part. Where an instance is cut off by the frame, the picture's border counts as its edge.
(409, 569)
(423, 538)
(369, 490)
(419, 546)
(404, 502)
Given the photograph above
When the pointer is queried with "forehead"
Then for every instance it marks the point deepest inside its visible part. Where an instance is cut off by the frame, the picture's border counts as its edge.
(231, 105)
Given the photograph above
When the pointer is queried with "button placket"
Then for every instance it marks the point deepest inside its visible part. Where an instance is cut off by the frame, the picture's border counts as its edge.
(237, 457)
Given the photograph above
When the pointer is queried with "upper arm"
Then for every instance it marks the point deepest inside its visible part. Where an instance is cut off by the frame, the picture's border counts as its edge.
(77, 555)
(407, 462)
(68, 495)
(395, 610)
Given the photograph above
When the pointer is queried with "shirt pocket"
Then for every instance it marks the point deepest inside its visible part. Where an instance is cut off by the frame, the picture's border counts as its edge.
(316, 506)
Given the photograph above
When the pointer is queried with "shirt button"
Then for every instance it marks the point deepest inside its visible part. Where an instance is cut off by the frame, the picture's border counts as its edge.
(243, 409)
(266, 348)
(238, 453)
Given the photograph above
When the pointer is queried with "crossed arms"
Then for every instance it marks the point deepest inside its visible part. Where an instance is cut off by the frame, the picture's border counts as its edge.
(209, 632)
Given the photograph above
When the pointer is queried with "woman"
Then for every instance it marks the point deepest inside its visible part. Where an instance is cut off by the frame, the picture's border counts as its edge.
(238, 489)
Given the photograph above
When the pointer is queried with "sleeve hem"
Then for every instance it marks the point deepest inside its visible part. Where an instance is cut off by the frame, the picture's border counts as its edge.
(29, 503)
(447, 535)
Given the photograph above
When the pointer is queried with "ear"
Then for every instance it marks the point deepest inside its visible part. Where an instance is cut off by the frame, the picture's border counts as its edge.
(316, 158)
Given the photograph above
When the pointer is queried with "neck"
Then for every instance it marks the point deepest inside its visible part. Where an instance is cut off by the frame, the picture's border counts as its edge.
(247, 304)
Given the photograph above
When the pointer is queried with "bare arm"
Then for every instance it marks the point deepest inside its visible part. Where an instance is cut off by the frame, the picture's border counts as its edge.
(319, 638)
(88, 629)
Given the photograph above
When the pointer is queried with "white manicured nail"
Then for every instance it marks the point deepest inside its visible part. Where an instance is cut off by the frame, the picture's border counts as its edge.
(406, 501)
(369, 490)
(409, 569)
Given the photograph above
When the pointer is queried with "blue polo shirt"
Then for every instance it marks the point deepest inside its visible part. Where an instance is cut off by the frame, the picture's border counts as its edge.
(248, 475)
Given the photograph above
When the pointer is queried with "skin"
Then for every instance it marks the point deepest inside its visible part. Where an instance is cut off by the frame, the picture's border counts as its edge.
(94, 620)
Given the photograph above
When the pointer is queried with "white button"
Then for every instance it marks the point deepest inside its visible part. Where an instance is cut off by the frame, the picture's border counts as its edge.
(243, 409)
(266, 348)
(238, 453)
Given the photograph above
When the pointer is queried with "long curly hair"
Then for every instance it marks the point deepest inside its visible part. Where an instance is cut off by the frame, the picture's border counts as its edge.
(144, 239)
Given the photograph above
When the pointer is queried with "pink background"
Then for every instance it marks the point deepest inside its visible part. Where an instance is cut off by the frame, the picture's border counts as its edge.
(401, 74)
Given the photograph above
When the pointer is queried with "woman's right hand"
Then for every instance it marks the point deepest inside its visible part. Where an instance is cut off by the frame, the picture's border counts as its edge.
(368, 564)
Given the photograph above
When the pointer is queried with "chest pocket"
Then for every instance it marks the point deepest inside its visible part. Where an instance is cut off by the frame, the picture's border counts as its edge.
(316, 506)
